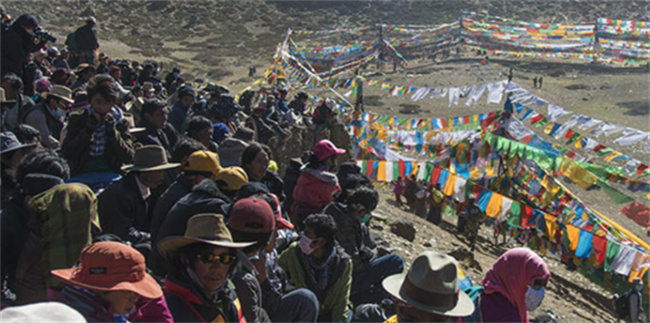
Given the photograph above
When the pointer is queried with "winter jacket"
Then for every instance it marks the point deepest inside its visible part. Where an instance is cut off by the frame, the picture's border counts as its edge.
(352, 236)
(188, 304)
(249, 292)
(177, 116)
(13, 224)
(124, 212)
(274, 183)
(290, 180)
(16, 45)
(314, 190)
(153, 136)
(181, 187)
(41, 118)
(15, 112)
(75, 147)
(335, 303)
(230, 151)
(204, 198)
(86, 39)
(94, 309)
(60, 224)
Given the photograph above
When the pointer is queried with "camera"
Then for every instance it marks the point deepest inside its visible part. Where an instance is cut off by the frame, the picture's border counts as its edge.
(39, 32)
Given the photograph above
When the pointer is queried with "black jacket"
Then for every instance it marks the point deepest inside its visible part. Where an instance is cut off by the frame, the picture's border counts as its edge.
(16, 45)
(86, 39)
(204, 198)
(275, 184)
(181, 187)
(123, 212)
(290, 180)
(118, 150)
(352, 236)
(153, 136)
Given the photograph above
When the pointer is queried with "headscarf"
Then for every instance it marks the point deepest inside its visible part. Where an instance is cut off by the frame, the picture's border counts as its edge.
(511, 274)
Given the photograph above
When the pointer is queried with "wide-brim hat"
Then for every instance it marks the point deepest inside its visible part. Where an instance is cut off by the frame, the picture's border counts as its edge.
(149, 158)
(202, 228)
(431, 285)
(83, 67)
(9, 142)
(111, 266)
(62, 92)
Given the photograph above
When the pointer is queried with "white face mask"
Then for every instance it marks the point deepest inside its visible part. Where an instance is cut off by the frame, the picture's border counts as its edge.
(304, 245)
(534, 298)
(59, 112)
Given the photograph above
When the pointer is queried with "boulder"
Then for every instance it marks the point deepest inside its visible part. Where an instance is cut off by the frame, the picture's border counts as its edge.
(403, 229)
(465, 257)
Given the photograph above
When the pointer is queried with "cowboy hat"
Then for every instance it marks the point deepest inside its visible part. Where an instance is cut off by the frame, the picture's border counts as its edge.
(149, 158)
(111, 266)
(9, 142)
(201, 228)
(431, 285)
(62, 92)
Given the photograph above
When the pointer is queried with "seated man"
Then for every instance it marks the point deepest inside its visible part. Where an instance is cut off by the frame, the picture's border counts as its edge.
(371, 263)
(98, 138)
(123, 206)
(431, 273)
(319, 264)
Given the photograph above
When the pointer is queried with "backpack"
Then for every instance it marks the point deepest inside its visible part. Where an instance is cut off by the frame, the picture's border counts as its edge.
(622, 304)
(70, 41)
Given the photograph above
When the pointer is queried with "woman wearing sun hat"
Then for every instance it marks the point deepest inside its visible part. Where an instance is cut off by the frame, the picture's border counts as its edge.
(111, 285)
(317, 182)
(197, 287)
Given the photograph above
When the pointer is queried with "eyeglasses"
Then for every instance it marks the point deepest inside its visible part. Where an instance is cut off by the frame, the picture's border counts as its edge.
(210, 258)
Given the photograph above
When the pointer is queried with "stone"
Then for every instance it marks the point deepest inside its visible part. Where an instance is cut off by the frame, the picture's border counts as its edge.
(403, 229)
(466, 257)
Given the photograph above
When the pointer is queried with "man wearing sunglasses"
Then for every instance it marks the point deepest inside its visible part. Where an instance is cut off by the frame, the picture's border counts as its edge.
(197, 288)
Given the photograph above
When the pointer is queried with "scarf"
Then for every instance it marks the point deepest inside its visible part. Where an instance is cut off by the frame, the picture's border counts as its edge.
(512, 273)
(317, 271)
(212, 296)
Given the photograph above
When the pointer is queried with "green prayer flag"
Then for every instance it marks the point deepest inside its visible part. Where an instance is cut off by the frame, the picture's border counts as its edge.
(514, 220)
(612, 252)
(615, 195)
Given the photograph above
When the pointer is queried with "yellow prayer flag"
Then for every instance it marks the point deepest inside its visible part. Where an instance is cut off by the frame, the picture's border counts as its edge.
(493, 208)
(612, 155)
(551, 226)
(381, 171)
(449, 185)
(574, 235)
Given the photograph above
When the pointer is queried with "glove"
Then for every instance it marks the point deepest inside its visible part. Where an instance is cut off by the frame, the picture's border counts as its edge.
(110, 124)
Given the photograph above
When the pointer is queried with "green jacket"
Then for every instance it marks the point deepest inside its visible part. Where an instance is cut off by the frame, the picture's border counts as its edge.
(337, 298)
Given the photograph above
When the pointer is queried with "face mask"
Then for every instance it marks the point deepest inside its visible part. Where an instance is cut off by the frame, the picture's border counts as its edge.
(534, 298)
(59, 112)
(305, 245)
(365, 218)
(176, 75)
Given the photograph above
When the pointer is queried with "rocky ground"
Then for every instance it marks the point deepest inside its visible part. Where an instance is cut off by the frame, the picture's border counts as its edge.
(219, 40)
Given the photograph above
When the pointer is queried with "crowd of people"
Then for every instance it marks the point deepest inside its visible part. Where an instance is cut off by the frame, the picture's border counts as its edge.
(131, 197)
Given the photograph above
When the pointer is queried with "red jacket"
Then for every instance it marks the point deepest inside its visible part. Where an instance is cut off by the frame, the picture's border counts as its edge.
(315, 190)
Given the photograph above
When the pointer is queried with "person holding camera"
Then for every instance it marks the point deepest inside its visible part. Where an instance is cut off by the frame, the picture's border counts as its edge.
(18, 42)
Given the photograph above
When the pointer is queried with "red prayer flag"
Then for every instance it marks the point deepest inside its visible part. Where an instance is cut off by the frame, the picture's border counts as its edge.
(641, 169)
(569, 134)
(526, 214)
(599, 245)
(599, 148)
(435, 174)
(402, 169)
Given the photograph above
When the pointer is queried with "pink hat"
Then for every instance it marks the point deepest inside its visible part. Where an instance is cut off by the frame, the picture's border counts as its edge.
(325, 149)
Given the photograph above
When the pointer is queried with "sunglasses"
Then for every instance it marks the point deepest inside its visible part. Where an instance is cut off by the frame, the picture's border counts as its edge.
(210, 258)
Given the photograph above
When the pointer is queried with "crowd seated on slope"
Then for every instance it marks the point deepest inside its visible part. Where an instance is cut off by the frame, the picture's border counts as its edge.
(133, 197)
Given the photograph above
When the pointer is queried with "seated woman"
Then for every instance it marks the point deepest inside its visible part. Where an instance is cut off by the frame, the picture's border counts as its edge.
(111, 285)
(317, 184)
(513, 286)
(255, 161)
(319, 264)
(197, 287)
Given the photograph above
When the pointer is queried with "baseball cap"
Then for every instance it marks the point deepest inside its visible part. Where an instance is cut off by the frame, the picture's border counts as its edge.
(274, 203)
(203, 161)
(251, 215)
(325, 149)
(234, 178)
